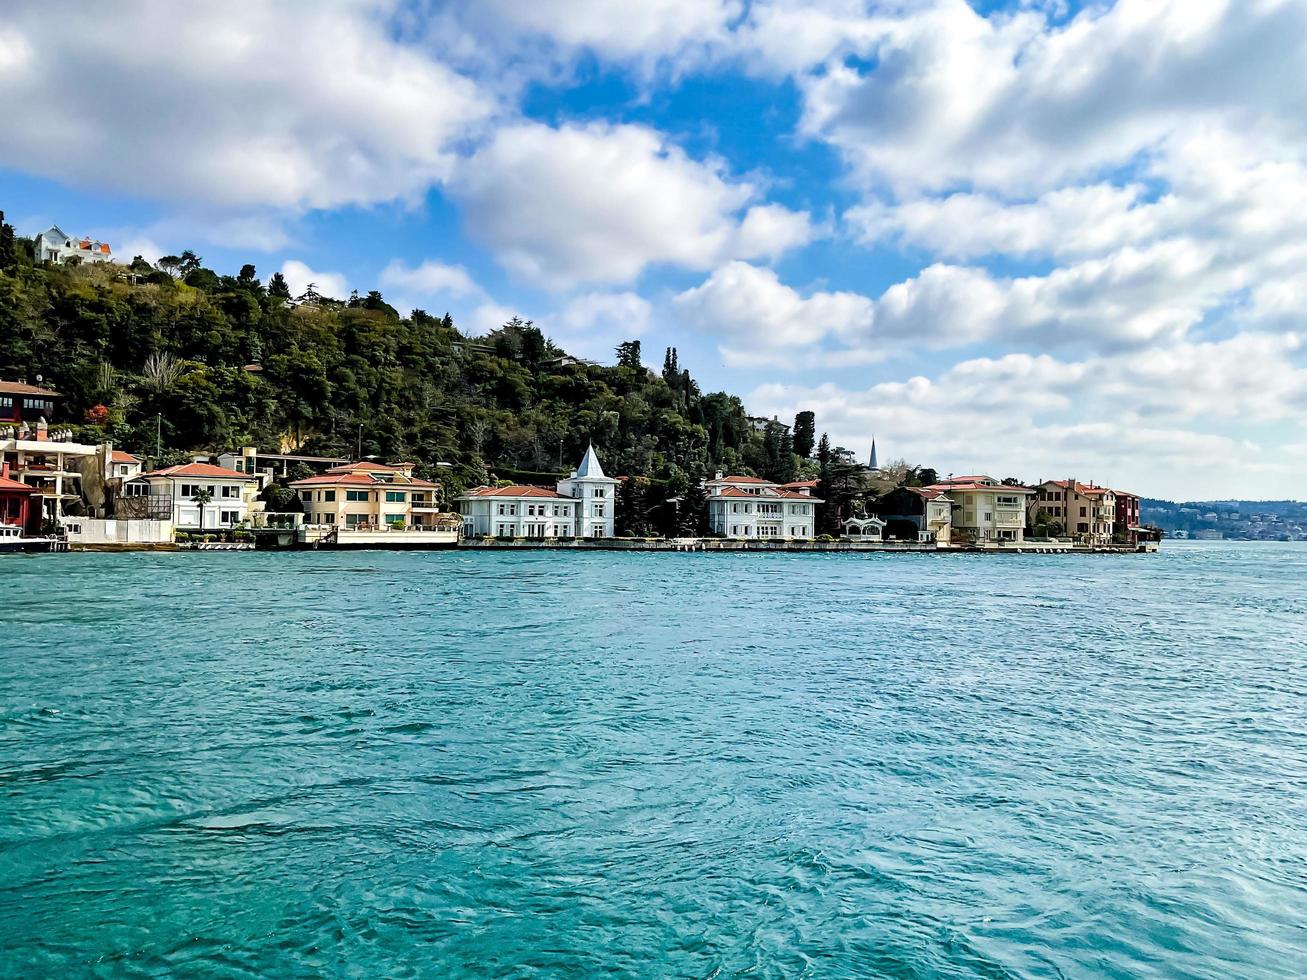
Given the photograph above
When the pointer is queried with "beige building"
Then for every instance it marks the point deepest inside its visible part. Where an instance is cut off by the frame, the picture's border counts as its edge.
(369, 496)
(1086, 512)
(985, 511)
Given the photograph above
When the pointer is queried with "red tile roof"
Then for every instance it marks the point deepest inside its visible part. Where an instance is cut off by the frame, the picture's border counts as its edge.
(991, 487)
(18, 388)
(516, 490)
(364, 466)
(737, 493)
(360, 479)
(1084, 489)
(798, 483)
(200, 470)
(8, 484)
(119, 456)
(743, 479)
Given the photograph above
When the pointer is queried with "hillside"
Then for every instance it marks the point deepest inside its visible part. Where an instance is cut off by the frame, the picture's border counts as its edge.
(226, 361)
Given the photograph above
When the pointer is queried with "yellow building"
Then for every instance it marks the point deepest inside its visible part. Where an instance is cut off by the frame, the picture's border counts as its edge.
(1086, 512)
(369, 496)
(985, 511)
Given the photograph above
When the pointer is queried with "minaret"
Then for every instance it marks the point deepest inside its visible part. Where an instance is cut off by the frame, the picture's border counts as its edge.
(872, 464)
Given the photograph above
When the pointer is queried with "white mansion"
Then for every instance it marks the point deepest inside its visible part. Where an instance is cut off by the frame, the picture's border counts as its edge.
(581, 507)
(52, 245)
(750, 507)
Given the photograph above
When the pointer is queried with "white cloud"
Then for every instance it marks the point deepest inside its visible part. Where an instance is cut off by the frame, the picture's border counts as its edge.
(593, 324)
(751, 306)
(1012, 103)
(490, 316)
(199, 104)
(299, 277)
(599, 203)
(431, 278)
(1192, 419)
(641, 32)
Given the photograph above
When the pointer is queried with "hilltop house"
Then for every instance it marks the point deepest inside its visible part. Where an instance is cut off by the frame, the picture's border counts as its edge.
(370, 496)
(52, 245)
(751, 507)
(985, 511)
(582, 506)
(1086, 512)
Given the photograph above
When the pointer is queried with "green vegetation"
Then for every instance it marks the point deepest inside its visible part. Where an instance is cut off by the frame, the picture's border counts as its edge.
(211, 362)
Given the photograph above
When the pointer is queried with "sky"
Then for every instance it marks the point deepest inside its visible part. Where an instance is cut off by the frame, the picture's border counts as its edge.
(1033, 239)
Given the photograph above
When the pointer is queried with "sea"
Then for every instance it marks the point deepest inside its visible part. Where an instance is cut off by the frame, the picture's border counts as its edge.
(553, 764)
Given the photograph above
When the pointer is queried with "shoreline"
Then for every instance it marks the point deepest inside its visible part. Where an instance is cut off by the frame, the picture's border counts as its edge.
(674, 545)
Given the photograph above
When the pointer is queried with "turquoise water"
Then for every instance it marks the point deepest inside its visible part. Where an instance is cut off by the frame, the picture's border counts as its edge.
(540, 764)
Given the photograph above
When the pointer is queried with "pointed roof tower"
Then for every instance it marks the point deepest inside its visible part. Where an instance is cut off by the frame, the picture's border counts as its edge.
(872, 464)
(590, 464)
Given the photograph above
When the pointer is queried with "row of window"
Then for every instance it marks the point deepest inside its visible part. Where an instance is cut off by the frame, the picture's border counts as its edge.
(36, 404)
(774, 510)
(189, 490)
(767, 531)
(542, 510)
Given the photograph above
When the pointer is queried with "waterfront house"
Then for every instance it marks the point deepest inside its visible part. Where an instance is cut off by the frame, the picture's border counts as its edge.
(17, 509)
(581, 506)
(52, 245)
(51, 463)
(1126, 528)
(751, 507)
(173, 489)
(920, 514)
(1086, 512)
(985, 511)
(369, 496)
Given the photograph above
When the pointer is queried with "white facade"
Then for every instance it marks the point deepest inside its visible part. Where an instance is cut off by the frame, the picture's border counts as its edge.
(596, 496)
(518, 512)
(749, 507)
(582, 507)
(52, 245)
(230, 495)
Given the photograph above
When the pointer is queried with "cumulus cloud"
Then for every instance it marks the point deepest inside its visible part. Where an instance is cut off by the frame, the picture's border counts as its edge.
(750, 305)
(598, 203)
(430, 278)
(299, 277)
(197, 103)
(1179, 415)
(593, 324)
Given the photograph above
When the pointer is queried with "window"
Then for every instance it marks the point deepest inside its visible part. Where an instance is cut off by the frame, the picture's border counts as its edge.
(329, 495)
(599, 510)
(229, 516)
(1082, 512)
(396, 496)
(601, 492)
(988, 517)
(6, 401)
(306, 496)
(231, 492)
(328, 518)
(1007, 501)
(136, 489)
(358, 496)
(122, 470)
(394, 518)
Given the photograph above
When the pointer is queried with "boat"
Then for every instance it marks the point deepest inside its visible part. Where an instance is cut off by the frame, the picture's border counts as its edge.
(14, 539)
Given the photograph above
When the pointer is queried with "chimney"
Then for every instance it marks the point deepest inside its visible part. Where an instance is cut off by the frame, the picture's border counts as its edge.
(4, 470)
(42, 429)
(718, 476)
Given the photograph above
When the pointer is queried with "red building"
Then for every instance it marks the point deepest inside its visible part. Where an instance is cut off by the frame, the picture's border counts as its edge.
(20, 402)
(1127, 516)
(16, 504)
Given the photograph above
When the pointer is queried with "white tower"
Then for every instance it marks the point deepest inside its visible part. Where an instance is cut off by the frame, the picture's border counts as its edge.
(597, 496)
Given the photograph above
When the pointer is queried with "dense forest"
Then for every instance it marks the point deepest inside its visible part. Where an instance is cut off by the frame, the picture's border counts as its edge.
(218, 361)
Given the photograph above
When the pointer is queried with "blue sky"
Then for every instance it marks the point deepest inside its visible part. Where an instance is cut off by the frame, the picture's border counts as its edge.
(1029, 238)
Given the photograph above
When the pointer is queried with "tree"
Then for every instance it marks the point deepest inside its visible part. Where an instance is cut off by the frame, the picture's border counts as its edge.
(8, 250)
(278, 287)
(671, 370)
(202, 497)
(188, 262)
(692, 517)
(171, 264)
(628, 354)
(246, 276)
(805, 432)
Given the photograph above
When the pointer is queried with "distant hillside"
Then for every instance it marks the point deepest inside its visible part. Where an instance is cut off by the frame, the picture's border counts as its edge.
(1252, 519)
